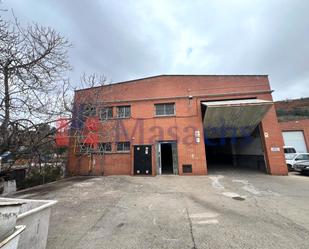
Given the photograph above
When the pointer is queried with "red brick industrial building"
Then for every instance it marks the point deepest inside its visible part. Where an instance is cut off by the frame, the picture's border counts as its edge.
(176, 124)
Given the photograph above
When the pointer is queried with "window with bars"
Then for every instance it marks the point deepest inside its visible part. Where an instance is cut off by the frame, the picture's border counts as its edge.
(104, 147)
(165, 109)
(89, 110)
(123, 111)
(123, 146)
(106, 113)
(85, 148)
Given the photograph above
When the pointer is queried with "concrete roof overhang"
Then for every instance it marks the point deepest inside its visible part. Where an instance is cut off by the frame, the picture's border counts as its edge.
(233, 118)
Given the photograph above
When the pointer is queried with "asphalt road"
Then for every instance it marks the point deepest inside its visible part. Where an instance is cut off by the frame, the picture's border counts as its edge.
(228, 209)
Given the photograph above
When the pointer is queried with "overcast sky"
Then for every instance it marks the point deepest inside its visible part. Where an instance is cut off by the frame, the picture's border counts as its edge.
(133, 39)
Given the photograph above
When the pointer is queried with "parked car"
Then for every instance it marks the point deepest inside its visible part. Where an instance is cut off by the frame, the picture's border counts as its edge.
(302, 167)
(288, 150)
(293, 158)
(6, 156)
(6, 159)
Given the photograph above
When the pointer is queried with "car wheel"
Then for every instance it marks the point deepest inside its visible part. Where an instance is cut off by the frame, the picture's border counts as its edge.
(305, 172)
(290, 167)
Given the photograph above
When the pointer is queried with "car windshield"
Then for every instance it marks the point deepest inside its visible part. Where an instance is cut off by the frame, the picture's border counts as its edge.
(289, 150)
(302, 157)
(290, 156)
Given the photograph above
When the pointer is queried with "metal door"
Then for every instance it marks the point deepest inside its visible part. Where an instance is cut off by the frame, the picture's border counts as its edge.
(175, 158)
(142, 160)
(174, 154)
(158, 158)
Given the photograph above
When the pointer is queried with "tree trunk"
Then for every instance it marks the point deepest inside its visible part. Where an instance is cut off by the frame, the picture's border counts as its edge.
(6, 120)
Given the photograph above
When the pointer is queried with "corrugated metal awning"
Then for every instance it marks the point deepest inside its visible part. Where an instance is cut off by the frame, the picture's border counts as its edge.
(233, 118)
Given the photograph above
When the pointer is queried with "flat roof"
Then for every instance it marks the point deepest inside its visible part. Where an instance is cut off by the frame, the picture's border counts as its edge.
(177, 75)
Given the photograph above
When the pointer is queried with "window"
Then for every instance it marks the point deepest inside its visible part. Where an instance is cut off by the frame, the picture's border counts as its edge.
(106, 113)
(89, 110)
(123, 111)
(85, 148)
(165, 109)
(289, 150)
(104, 147)
(302, 157)
(123, 146)
(290, 156)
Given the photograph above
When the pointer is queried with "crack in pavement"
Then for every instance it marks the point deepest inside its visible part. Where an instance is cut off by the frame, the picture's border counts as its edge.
(191, 229)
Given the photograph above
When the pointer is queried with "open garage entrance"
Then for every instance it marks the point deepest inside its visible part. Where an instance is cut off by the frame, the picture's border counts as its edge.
(236, 153)
(232, 134)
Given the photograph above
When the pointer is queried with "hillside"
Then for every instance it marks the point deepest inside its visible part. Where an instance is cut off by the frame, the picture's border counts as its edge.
(292, 109)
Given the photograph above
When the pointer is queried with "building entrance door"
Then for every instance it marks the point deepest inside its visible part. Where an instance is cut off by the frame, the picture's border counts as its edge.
(142, 160)
(167, 158)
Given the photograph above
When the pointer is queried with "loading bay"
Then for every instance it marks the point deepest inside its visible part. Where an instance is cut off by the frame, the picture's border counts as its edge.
(226, 209)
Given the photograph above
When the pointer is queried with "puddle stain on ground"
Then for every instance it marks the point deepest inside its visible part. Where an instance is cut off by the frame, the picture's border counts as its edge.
(215, 181)
(238, 198)
(252, 189)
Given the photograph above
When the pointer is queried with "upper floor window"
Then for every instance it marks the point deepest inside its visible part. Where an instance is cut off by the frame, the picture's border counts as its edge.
(165, 109)
(89, 110)
(123, 111)
(106, 113)
(123, 146)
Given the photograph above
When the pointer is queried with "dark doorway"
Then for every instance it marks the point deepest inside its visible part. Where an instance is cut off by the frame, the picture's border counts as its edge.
(219, 151)
(167, 158)
(142, 160)
(236, 153)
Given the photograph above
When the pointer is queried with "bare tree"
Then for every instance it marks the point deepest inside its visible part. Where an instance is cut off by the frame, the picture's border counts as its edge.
(33, 64)
(90, 105)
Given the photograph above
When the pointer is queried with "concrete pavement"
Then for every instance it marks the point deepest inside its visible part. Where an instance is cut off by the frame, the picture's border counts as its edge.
(226, 209)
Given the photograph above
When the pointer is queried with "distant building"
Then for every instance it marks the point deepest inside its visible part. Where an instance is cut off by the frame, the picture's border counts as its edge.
(293, 116)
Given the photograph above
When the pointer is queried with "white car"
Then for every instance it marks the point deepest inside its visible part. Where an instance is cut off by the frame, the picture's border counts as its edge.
(293, 158)
(302, 167)
(289, 149)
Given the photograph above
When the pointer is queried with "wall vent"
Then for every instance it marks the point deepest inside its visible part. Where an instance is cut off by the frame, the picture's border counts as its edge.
(187, 168)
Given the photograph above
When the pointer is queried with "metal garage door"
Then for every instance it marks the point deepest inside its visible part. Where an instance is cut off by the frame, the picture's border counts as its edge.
(233, 118)
(295, 139)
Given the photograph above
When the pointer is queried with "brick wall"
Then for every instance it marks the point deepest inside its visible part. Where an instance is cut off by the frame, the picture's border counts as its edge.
(297, 125)
(144, 128)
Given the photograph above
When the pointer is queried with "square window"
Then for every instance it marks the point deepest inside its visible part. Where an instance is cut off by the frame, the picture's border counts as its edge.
(89, 110)
(85, 148)
(123, 146)
(106, 113)
(104, 147)
(123, 111)
(165, 109)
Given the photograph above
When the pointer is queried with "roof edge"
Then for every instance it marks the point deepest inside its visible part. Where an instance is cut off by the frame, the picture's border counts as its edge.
(176, 75)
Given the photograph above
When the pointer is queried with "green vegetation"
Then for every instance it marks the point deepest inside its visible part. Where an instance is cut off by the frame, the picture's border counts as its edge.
(44, 175)
(293, 114)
